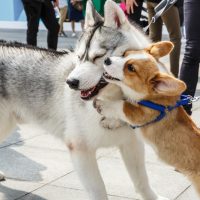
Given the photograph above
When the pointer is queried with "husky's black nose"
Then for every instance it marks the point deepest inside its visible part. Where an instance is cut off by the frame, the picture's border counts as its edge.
(73, 83)
(107, 61)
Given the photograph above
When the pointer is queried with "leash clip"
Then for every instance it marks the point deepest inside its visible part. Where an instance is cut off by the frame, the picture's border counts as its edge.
(194, 99)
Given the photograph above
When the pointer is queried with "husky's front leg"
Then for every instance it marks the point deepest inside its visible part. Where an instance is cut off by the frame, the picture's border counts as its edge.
(133, 156)
(7, 125)
(110, 109)
(85, 164)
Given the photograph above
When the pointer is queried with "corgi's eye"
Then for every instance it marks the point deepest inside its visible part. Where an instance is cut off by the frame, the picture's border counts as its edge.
(130, 68)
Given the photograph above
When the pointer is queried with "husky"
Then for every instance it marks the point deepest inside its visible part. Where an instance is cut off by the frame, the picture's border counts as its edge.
(33, 90)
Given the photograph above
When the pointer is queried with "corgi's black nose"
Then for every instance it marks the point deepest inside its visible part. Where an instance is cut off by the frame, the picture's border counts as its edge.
(107, 61)
(73, 83)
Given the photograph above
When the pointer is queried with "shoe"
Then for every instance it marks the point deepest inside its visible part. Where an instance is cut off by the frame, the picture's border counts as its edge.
(64, 34)
(73, 34)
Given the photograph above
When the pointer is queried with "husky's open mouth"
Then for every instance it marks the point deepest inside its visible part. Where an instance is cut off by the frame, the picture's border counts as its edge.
(88, 94)
(109, 77)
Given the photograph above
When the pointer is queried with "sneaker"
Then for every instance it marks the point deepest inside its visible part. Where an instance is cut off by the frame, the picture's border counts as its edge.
(73, 34)
(64, 34)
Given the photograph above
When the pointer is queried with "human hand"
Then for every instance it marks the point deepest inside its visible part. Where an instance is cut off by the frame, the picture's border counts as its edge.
(130, 6)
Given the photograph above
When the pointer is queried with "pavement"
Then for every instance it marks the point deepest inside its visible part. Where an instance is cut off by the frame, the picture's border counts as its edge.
(38, 166)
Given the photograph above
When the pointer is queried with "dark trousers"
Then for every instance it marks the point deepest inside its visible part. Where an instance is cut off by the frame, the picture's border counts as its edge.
(190, 65)
(36, 10)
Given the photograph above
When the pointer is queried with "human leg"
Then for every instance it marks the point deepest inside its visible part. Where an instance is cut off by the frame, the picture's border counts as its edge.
(50, 21)
(32, 10)
(63, 13)
(82, 24)
(155, 29)
(190, 65)
(172, 21)
(73, 28)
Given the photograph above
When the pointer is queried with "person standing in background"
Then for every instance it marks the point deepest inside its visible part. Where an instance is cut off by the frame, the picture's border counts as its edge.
(44, 10)
(134, 10)
(98, 4)
(181, 16)
(63, 15)
(75, 14)
(190, 65)
(172, 22)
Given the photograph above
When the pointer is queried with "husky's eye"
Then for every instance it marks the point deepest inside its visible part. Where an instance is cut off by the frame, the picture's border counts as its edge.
(98, 56)
(130, 68)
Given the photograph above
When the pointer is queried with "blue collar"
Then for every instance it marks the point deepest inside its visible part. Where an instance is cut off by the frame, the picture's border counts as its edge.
(184, 100)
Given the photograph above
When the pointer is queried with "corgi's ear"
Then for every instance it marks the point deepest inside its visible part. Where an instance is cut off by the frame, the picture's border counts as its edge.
(92, 17)
(129, 52)
(114, 16)
(160, 49)
(167, 85)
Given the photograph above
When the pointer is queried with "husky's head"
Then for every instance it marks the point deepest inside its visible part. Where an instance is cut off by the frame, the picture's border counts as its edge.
(102, 38)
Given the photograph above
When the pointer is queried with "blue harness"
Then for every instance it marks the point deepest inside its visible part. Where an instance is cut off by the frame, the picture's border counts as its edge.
(184, 100)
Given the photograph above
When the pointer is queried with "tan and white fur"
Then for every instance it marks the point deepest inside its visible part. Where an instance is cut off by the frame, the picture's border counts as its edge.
(176, 138)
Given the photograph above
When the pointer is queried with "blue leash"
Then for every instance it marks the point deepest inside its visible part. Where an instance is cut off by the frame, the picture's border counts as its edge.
(184, 100)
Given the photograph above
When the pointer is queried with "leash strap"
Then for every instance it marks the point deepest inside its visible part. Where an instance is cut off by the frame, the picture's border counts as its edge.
(184, 100)
(160, 9)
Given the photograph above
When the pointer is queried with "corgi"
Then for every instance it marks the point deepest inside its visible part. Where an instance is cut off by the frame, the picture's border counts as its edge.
(175, 137)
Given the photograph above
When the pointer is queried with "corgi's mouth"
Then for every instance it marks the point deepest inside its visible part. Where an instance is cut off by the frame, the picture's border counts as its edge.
(88, 94)
(109, 77)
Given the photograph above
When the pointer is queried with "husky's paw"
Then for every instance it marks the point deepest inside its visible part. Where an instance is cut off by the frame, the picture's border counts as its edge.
(102, 107)
(110, 123)
(2, 177)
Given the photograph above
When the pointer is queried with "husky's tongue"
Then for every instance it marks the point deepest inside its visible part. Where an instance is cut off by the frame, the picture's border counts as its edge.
(86, 93)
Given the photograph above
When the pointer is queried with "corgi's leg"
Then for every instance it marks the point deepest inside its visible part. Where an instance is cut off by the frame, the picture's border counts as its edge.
(85, 164)
(195, 179)
(133, 156)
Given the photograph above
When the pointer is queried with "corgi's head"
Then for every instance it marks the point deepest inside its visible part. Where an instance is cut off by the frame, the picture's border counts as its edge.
(137, 73)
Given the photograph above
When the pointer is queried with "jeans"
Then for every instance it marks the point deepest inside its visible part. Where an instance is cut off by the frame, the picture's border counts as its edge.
(190, 65)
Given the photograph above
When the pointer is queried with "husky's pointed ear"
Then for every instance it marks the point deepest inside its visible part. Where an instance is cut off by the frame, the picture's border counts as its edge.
(160, 49)
(167, 85)
(114, 16)
(92, 17)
